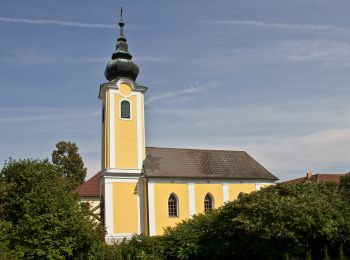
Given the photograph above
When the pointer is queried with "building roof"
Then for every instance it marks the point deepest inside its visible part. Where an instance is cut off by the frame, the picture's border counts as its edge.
(90, 188)
(317, 178)
(196, 163)
(191, 163)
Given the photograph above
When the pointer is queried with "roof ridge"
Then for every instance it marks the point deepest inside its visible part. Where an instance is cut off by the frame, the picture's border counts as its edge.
(196, 149)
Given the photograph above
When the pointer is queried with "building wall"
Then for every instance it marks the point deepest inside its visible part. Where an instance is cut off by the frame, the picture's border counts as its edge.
(191, 194)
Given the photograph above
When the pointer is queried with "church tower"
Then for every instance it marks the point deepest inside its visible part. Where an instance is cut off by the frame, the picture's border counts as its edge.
(123, 145)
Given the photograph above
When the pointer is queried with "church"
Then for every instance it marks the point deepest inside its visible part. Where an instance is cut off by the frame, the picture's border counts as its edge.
(145, 189)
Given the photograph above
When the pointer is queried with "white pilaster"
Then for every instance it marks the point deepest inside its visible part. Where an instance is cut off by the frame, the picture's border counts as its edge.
(225, 192)
(151, 210)
(109, 209)
(191, 199)
(111, 129)
(139, 130)
(257, 187)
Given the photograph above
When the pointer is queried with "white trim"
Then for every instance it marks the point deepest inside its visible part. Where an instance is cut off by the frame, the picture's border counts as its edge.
(141, 207)
(191, 199)
(112, 150)
(120, 108)
(139, 130)
(151, 210)
(138, 209)
(121, 180)
(208, 181)
(117, 170)
(108, 196)
(127, 81)
(117, 237)
(225, 192)
(257, 187)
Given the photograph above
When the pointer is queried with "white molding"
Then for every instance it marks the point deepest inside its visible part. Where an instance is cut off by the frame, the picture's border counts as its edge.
(120, 107)
(121, 180)
(191, 199)
(225, 192)
(151, 210)
(127, 81)
(141, 208)
(208, 181)
(109, 220)
(138, 208)
(117, 170)
(112, 150)
(139, 130)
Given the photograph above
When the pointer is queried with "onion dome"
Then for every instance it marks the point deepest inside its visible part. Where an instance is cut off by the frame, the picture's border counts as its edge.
(120, 65)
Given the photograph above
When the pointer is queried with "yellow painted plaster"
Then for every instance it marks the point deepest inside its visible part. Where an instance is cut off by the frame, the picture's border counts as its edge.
(236, 188)
(202, 189)
(125, 208)
(125, 89)
(126, 155)
(162, 192)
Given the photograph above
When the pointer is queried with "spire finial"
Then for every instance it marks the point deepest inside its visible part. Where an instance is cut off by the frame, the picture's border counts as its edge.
(121, 22)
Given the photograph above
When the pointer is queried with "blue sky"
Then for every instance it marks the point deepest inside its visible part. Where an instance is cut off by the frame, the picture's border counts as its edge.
(268, 77)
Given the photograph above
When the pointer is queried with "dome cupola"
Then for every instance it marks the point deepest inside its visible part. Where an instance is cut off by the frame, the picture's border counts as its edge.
(121, 65)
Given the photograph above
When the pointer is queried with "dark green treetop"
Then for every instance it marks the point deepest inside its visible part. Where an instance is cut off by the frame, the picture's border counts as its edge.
(69, 163)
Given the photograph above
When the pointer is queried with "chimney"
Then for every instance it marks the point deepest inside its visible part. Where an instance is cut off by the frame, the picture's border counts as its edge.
(308, 175)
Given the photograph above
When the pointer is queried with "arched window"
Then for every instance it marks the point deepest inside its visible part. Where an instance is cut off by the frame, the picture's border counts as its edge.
(172, 206)
(208, 202)
(125, 109)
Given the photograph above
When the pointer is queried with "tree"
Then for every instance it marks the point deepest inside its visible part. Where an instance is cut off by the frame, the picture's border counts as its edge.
(283, 221)
(69, 163)
(43, 217)
(344, 186)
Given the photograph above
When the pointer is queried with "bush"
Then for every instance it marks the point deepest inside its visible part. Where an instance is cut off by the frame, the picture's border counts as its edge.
(43, 217)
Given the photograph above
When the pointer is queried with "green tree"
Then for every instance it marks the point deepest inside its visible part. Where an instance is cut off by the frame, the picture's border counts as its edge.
(43, 217)
(69, 162)
(283, 221)
(344, 186)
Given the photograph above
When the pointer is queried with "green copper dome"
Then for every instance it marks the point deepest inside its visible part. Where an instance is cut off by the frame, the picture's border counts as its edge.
(121, 65)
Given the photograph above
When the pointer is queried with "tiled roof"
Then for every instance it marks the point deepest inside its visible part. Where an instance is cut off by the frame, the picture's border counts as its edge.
(90, 188)
(196, 163)
(191, 163)
(317, 178)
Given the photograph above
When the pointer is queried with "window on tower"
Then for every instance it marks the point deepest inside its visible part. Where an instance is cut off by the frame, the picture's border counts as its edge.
(173, 206)
(125, 109)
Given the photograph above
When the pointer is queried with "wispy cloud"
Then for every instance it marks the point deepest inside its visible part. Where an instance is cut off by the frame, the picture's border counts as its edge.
(64, 23)
(189, 90)
(276, 25)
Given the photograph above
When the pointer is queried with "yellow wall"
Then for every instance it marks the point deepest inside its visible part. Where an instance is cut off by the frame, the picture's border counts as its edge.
(125, 130)
(235, 189)
(162, 192)
(202, 189)
(125, 208)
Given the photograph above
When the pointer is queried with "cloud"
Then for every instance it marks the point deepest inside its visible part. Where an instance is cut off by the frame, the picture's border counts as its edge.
(65, 23)
(170, 94)
(276, 25)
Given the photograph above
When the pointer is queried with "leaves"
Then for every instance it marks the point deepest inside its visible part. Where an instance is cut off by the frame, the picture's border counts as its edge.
(69, 163)
(44, 217)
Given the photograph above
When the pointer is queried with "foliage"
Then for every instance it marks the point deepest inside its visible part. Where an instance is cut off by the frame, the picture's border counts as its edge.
(69, 163)
(305, 221)
(344, 186)
(42, 216)
(139, 247)
(274, 223)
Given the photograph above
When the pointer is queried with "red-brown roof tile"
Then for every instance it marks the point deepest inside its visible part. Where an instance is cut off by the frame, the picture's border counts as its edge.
(90, 188)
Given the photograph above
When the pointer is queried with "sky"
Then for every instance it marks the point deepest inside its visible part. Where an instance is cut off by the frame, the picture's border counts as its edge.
(269, 77)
